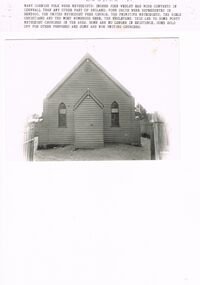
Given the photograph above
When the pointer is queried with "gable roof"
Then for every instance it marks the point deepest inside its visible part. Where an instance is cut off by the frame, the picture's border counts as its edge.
(85, 58)
(88, 93)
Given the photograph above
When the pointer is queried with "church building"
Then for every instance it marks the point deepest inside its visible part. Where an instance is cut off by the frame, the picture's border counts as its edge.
(87, 109)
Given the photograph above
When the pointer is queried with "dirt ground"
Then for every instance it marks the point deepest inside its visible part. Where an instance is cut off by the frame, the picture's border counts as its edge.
(109, 152)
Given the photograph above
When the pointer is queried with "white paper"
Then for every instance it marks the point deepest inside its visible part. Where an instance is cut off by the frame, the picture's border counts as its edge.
(133, 222)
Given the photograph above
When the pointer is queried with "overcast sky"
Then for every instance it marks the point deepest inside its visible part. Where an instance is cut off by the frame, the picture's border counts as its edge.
(148, 68)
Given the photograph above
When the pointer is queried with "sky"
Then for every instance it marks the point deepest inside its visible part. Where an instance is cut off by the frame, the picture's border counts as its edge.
(148, 68)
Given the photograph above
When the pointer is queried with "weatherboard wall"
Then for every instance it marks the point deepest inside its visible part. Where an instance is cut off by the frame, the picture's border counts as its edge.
(88, 77)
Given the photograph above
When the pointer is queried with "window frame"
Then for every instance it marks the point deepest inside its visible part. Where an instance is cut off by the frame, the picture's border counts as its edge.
(115, 115)
(62, 117)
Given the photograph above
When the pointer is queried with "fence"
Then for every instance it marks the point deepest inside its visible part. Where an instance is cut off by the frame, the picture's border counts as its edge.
(30, 142)
(145, 128)
(159, 137)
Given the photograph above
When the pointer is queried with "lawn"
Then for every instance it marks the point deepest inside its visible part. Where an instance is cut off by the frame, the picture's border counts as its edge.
(109, 152)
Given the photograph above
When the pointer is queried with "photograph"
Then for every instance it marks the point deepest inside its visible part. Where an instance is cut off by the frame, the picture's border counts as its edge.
(93, 99)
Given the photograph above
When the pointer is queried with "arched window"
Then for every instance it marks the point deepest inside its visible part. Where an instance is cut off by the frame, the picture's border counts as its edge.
(62, 115)
(114, 114)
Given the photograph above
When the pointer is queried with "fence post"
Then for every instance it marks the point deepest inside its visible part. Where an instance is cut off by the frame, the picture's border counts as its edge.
(152, 138)
(159, 138)
(29, 143)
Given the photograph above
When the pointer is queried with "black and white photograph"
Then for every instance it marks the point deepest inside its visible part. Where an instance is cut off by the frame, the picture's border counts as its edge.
(93, 99)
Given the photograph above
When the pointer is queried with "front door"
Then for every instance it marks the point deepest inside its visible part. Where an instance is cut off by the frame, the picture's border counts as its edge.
(88, 119)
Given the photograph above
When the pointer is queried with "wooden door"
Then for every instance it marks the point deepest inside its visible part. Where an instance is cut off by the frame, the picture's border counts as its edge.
(88, 117)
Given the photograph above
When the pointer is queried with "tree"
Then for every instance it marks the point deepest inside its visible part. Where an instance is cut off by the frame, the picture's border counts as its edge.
(140, 112)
